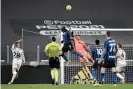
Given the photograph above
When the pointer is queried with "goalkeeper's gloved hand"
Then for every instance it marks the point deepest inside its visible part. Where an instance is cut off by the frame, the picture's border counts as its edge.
(100, 61)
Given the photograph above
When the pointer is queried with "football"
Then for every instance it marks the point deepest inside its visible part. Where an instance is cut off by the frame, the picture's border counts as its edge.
(68, 7)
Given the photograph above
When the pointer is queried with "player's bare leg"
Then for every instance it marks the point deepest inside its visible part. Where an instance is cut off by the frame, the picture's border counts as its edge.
(13, 76)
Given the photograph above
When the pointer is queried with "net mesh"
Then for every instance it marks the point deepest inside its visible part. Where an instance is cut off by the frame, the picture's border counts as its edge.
(33, 45)
(75, 67)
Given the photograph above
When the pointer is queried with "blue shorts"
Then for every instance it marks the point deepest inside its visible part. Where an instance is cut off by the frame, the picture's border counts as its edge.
(96, 65)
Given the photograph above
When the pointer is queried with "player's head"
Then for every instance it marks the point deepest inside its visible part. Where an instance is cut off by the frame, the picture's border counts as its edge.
(97, 42)
(63, 29)
(108, 35)
(17, 45)
(119, 45)
(53, 39)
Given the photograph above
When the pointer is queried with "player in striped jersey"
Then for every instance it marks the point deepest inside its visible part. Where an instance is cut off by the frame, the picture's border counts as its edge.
(97, 51)
(108, 57)
(69, 44)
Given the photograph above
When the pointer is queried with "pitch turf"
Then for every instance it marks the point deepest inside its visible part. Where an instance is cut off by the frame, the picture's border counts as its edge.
(65, 86)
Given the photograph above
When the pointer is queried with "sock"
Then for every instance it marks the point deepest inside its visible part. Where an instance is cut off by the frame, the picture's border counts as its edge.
(94, 74)
(120, 76)
(56, 74)
(52, 73)
(101, 77)
(78, 54)
(13, 77)
(115, 77)
(65, 58)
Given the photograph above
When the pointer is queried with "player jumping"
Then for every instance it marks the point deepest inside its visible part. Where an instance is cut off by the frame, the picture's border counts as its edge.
(81, 47)
(69, 44)
(108, 57)
(121, 62)
(18, 60)
(97, 51)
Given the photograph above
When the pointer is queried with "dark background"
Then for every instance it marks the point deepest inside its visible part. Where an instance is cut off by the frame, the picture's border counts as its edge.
(110, 13)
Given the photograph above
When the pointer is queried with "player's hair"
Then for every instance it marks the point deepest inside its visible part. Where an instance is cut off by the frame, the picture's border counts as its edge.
(53, 39)
(108, 33)
(97, 42)
(63, 28)
(120, 45)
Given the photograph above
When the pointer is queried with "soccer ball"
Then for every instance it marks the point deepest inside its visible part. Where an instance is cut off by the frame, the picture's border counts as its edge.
(68, 7)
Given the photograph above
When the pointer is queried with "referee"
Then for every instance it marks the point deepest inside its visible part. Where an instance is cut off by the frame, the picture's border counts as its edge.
(53, 50)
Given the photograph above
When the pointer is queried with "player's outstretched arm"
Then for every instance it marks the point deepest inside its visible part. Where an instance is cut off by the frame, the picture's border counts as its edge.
(16, 42)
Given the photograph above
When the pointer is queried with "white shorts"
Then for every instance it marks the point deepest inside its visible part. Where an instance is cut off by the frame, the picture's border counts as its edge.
(120, 67)
(17, 63)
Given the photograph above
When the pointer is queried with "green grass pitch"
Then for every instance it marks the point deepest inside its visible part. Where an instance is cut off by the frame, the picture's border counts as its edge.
(64, 86)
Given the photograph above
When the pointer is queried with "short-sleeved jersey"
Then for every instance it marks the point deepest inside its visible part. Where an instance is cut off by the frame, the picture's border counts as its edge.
(97, 52)
(18, 53)
(110, 46)
(121, 56)
(66, 37)
(80, 46)
(53, 49)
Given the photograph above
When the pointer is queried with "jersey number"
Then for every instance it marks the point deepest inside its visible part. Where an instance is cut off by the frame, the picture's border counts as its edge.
(99, 51)
(16, 55)
(112, 47)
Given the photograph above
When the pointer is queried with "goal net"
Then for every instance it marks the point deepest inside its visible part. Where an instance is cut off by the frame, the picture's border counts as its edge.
(34, 44)
(120, 36)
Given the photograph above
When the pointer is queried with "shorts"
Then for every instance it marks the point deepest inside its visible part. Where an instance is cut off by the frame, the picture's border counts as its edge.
(67, 47)
(86, 55)
(120, 67)
(54, 62)
(96, 65)
(16, 64)
(109, 64)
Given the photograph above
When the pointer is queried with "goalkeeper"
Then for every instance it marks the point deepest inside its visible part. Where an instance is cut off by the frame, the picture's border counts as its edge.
(69, 44)
(81, 47)
(53, 51)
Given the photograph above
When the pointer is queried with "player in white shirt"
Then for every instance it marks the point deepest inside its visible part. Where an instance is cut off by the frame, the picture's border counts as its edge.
(121, 62)
(18, 59)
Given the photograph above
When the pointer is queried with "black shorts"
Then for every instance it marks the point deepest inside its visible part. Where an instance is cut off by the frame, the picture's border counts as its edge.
(54, 62)
(96, 65)
(109, 64)
(67, 47)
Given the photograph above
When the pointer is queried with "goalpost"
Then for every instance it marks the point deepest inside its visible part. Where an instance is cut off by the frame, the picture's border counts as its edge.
(67, 72)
